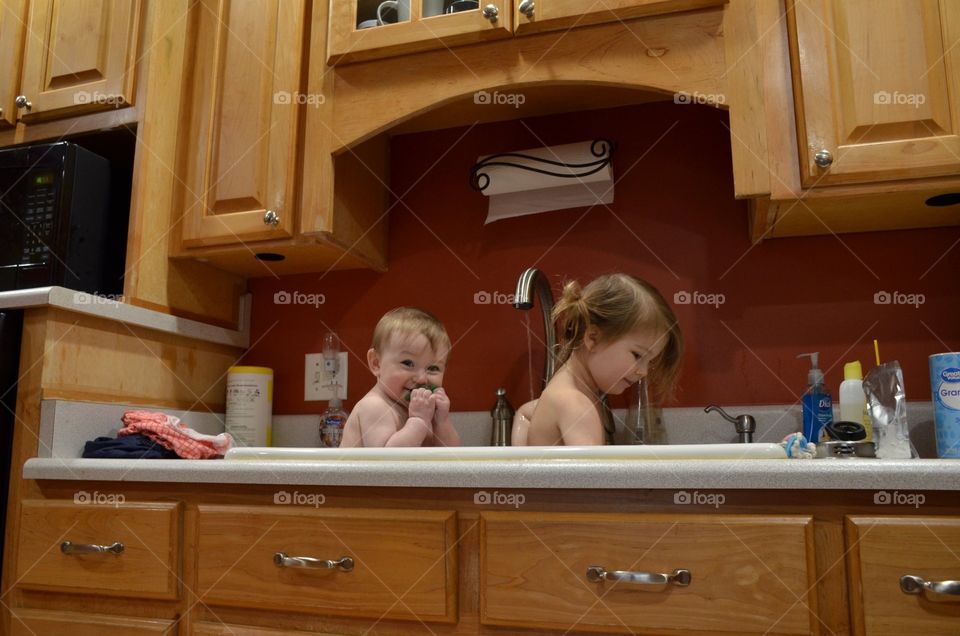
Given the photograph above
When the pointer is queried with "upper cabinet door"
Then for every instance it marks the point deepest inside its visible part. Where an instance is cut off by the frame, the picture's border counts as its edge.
(877, 88)
(408, 26)
(12, 28)
(244, 98)
(79, 56)
(547, 15)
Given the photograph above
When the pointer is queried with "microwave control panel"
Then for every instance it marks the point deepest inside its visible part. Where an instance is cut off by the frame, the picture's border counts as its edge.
(38, 221)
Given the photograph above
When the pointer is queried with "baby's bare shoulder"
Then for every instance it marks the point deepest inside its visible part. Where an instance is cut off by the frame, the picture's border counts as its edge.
(372, 408)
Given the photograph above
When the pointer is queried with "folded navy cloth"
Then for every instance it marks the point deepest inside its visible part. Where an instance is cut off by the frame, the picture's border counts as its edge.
(129, 447)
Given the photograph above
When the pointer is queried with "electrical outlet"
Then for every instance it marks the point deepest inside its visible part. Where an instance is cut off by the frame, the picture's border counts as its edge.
(316, 385)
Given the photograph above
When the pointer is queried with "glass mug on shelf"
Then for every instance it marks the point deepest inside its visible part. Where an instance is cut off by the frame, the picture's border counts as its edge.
(461, 5)
(431, 8)
(401, 10)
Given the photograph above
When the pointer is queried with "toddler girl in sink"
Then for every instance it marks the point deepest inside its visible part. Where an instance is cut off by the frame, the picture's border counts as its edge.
(613, 332)
(407, 406)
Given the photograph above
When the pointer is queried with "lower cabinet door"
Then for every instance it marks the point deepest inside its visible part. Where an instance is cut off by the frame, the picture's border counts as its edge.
(33, 622)
(884, 550)
(399, 564)
(648, 573)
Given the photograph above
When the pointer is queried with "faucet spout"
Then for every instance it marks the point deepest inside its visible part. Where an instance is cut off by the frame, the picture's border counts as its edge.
(533, 281)
(746, 425)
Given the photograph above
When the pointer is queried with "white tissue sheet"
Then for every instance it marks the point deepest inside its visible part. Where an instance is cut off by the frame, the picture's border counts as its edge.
(516, 192)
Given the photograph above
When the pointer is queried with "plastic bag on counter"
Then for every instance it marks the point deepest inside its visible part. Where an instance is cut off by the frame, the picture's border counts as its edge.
(887, 403)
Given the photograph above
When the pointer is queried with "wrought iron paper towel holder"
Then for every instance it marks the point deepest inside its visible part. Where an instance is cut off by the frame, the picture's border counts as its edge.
(603, 149)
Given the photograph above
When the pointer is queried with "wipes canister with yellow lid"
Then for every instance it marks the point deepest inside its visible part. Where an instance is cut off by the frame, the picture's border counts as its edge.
(249, 405)
(945, 385)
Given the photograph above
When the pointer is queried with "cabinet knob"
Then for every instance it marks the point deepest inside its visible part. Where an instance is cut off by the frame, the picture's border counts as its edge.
(680, 578)
(271, 218)
(939, 591)
(823, 158)
(69, 547)
(526, 8)
(284, 560)
(491, 12)
(23, 102)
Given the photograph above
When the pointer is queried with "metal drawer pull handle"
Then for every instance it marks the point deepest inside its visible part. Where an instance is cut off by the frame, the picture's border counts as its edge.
(69, 547)
(283, 560)
(941, 591)
(680, 578)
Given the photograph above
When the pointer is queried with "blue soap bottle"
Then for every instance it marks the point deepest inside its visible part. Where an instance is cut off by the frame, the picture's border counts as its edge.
(817, 403)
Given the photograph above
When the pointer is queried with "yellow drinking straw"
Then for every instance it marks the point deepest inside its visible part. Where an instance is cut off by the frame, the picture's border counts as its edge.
(876, 351)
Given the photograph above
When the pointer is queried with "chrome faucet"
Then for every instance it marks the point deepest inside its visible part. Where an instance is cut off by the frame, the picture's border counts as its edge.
(746, 425)
(534, 280)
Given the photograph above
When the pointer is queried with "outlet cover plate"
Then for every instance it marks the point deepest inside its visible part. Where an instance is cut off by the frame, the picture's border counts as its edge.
(316, 386)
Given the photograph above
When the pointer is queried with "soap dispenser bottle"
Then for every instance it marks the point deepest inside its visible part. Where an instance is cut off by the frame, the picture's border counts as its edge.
(331, 424)
(817, 403)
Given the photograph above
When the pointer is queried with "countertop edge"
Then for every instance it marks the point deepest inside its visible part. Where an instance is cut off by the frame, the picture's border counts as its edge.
(104, 307)
(866, 475)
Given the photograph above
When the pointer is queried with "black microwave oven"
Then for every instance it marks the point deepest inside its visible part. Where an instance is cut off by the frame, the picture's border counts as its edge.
(57, 225)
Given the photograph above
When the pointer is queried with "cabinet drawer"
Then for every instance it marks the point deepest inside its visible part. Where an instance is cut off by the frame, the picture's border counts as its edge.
(225, 629)
(32, 622)
(404, 562)
(148, 566)
(883, 549)
(748, 574)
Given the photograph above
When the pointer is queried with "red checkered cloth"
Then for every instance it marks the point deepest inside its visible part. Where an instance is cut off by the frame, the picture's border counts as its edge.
(171, 433)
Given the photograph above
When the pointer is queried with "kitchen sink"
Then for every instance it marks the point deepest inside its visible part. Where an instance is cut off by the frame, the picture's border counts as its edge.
(487, 453)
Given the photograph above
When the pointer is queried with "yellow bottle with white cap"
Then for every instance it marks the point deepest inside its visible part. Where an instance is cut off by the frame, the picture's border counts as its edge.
(853, 401)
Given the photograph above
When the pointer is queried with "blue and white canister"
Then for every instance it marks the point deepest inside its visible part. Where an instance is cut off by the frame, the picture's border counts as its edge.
(945, 385)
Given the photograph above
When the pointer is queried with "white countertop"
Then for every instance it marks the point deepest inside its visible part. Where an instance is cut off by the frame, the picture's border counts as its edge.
(115, 309)
(752, 474)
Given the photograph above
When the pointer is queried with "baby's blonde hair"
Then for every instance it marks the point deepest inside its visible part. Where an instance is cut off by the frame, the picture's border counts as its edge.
(618, 304)
(409, 321)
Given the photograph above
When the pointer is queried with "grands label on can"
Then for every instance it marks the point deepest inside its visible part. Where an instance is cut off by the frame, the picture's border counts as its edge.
(945, 385)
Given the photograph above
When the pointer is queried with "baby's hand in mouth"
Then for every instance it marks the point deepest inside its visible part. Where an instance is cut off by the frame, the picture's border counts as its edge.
(429, 386)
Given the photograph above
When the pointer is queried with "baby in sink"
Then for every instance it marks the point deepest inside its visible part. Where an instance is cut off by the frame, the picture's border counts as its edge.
(407, 406)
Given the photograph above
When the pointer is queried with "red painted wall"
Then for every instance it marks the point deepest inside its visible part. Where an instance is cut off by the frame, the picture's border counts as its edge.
(674, 222)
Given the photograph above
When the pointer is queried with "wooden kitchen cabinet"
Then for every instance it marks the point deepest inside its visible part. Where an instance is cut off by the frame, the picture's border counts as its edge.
(427, 30)
(532, 16)
(243, 109)
(32, 622)
(238, 562)
(12, 30)
(146, 564)
(424, 30)
(747, 574)
(257, 197)
(882, 549)
(80, 57)
(876, 89)
(225, 629)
